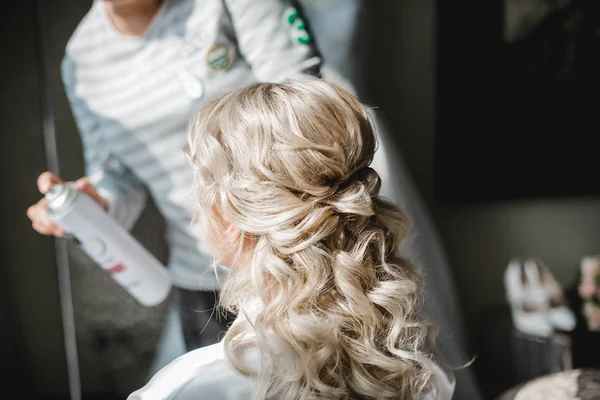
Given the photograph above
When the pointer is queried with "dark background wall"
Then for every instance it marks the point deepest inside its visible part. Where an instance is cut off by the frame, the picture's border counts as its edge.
(31, 324)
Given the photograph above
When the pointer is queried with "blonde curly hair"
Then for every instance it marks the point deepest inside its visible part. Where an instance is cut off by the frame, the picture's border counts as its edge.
(287, 165)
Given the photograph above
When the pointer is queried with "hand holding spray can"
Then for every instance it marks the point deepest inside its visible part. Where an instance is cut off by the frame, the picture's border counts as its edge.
(109, 244)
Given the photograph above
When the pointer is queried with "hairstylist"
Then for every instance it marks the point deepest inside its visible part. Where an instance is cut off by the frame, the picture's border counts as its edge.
(134, 72)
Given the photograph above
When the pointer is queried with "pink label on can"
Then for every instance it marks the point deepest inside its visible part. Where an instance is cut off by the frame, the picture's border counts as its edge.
(116, 269)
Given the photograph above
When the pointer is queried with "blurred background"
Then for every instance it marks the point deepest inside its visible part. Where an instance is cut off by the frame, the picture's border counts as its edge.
(488, 111)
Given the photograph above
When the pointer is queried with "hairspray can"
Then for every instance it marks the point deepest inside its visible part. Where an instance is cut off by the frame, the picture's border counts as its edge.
(109, 244)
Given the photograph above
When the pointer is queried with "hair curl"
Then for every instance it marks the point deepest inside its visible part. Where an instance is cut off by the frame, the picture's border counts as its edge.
(288, 166)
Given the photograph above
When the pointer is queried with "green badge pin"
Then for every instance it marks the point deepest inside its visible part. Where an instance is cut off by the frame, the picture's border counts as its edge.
(219, 57)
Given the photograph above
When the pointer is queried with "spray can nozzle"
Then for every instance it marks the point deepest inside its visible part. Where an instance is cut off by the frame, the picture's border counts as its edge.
(55, 191)
(60, 197)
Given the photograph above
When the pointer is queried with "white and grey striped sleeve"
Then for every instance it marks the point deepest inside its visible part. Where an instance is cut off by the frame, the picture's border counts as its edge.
(274, 39)
(125, 194)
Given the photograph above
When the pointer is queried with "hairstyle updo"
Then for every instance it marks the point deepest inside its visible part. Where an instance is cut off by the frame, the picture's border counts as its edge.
(288, 165)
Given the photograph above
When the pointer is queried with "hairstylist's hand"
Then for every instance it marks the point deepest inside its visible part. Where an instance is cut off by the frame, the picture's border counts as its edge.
(38, 213)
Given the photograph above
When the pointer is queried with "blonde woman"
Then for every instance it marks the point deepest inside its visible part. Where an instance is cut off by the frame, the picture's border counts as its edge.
(327, 307)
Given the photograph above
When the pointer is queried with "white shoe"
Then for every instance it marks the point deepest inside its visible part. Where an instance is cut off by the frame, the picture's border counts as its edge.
(562, 318)
(559, 315)
(529, 303)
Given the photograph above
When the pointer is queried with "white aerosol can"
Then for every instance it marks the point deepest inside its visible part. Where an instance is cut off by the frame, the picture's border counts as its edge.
(109, 244)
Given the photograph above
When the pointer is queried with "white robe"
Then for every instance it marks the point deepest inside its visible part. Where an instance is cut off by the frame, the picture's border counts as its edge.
(206, 374)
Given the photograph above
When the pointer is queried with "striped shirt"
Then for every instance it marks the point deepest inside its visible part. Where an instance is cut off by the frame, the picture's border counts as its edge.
(132, 98)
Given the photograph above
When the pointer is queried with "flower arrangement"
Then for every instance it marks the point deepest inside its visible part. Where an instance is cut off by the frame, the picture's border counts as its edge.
(589, 291)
